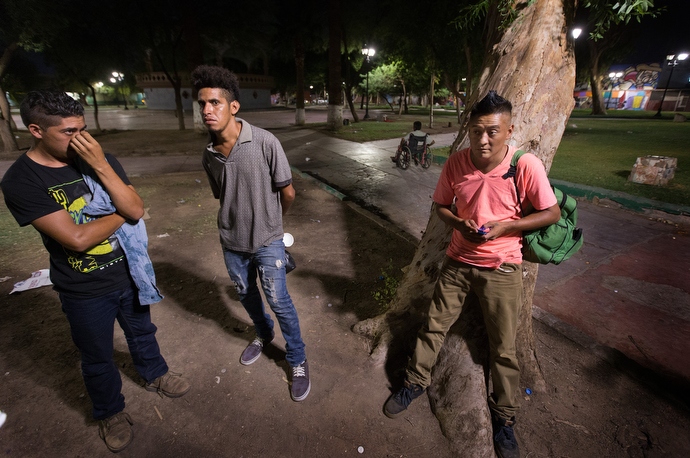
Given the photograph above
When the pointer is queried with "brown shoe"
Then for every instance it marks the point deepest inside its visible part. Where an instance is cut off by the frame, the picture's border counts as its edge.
(171, 384)
(116, 431)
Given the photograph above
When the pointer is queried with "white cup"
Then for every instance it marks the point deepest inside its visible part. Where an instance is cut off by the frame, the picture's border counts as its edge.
(288, 239)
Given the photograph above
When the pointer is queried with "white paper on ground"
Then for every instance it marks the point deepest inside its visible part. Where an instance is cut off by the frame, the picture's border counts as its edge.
(38, 279)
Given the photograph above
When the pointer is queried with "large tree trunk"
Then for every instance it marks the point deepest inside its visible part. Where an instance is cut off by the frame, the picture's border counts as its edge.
(334, 119)
(533, 66)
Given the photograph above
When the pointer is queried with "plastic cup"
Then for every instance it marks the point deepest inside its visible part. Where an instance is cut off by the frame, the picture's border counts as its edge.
(288, 239)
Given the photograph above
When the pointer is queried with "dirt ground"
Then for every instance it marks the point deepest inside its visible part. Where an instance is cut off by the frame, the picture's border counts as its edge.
(590, 408)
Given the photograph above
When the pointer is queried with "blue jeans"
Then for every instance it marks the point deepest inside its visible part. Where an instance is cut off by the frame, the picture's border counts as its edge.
(92, 322)
(269, 261)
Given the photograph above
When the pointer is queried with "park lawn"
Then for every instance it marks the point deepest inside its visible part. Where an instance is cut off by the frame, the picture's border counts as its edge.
(628, 114)
(602, 152)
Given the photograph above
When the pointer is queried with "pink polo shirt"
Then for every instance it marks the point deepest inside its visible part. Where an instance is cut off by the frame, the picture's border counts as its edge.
(489, 197)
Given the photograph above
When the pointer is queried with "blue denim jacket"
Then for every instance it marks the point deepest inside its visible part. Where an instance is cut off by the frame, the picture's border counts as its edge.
(133, 239)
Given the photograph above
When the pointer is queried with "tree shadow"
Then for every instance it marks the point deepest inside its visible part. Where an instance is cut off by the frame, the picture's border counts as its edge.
(208, 299)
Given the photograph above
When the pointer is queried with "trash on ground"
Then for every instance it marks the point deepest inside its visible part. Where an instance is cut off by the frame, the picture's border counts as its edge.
(38, 279)
(163, 235)
(3, 279)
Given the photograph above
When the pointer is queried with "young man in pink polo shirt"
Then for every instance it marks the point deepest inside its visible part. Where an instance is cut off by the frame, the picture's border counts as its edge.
(484, 257)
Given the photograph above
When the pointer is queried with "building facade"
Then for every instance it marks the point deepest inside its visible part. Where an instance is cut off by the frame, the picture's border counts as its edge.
(255, 91)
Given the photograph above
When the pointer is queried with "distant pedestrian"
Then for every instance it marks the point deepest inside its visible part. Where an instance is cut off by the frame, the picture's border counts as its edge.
(484, 257)
(88, 215)
(249, 173)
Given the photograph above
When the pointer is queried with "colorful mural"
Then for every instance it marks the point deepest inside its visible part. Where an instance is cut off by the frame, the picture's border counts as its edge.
(638, 77)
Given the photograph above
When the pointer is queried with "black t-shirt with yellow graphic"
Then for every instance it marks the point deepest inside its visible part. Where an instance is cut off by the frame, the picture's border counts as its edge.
(31, 191)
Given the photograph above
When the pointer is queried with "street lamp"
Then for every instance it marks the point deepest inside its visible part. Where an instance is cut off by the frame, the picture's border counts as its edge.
(672, 61)
(119, 78)
(613, 76)
(367, 52)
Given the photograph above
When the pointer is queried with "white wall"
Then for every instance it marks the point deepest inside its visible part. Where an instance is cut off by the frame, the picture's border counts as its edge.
(164, 98)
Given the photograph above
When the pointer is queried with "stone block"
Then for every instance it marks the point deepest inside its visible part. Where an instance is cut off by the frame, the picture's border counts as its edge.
(679, 118)
(654, 170)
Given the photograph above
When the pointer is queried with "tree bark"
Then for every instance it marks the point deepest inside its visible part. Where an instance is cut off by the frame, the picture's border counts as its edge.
(403, 98)
(95, 108)
(598, 106)
(9, 142)
(334, 119)
(299, 96)
(7, 124)
(533, 66)
(431, 100)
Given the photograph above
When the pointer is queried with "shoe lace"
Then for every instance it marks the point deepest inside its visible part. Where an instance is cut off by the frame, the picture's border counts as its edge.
(258, 341)
(505, 436)
(405, 396)
(298, 371)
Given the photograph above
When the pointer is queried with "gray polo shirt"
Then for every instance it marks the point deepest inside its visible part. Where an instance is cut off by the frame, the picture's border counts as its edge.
(247, 183)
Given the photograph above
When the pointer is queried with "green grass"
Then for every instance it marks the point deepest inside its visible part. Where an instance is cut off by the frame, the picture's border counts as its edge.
(629, 114)
(367, 131)
(602, 152)
(395, 127)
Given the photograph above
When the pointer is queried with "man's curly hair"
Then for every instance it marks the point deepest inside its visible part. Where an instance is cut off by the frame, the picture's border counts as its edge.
(217, 77)
(46, 108)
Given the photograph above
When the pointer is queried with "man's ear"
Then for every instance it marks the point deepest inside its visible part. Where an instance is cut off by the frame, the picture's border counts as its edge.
(234, 107)
(35, 131)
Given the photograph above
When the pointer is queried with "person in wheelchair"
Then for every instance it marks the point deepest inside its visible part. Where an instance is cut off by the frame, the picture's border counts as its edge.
(415, 141)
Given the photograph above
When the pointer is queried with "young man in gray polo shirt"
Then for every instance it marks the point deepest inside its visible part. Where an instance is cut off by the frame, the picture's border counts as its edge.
(249, 173)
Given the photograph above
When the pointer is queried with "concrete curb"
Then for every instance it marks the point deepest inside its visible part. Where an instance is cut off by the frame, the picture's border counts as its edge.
(629, 201)
(387, 225)
(639, 204)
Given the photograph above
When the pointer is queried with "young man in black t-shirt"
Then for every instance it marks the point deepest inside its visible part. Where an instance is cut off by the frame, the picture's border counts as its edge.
(98, 264)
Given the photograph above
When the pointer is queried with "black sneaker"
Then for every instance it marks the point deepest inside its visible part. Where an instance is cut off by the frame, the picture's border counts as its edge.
(398, 402)
(253, 351)
(300, 385)
(504, 439)
(116, 431)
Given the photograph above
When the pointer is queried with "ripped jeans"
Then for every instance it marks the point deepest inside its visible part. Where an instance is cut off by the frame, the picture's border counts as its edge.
(269, 262)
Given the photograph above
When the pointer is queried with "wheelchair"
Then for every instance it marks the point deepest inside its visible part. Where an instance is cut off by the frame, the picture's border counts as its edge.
(414, 149)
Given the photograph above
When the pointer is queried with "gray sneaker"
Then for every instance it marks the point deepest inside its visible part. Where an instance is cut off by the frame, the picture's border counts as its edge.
(301, 385)
(253, 351)
(116, 431)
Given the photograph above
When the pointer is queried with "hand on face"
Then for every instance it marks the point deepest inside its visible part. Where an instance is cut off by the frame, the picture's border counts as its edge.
(87, 148)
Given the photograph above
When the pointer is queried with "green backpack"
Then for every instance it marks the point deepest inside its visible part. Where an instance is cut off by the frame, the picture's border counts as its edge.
(557, 242)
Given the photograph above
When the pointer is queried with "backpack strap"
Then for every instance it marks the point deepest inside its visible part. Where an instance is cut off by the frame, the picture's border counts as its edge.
(512, 171)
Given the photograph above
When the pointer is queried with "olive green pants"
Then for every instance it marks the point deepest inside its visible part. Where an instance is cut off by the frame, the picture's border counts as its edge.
(500, 295)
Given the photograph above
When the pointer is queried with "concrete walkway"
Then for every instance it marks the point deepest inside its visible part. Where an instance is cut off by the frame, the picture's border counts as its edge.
(626, 291)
